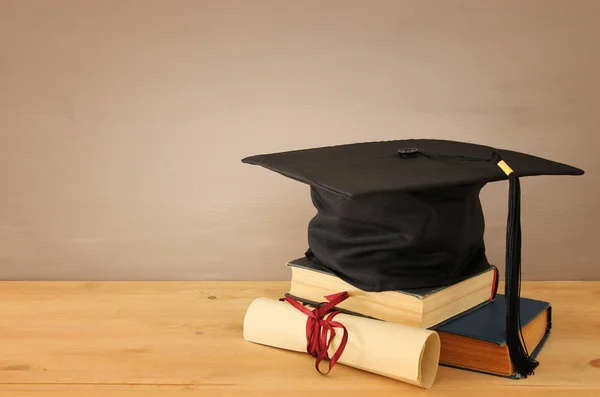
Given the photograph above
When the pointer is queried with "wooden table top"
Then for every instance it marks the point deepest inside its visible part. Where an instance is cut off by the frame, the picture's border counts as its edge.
(185, 338)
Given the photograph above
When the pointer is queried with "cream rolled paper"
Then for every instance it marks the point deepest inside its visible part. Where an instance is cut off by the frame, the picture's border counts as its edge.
(397, 351)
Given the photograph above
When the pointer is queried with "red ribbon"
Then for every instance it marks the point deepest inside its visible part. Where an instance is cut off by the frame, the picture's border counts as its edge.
(318, 325)
(494, 284)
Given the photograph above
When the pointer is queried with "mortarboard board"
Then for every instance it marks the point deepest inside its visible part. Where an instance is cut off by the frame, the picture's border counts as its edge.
(406, 214)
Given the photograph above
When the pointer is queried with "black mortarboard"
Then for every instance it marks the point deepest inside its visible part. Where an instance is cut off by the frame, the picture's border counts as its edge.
(406, 214)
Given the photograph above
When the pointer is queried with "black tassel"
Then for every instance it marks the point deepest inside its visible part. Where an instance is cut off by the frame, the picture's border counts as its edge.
(524, 364)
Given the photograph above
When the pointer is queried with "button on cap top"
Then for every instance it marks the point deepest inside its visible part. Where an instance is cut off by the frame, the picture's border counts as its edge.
(408, 152)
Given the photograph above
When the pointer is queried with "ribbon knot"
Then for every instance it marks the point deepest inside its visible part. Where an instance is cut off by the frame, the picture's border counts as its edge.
(320, 329)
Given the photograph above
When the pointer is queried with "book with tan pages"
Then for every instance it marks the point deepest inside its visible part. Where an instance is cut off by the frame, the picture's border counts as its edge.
(421, 308)
(477, 340)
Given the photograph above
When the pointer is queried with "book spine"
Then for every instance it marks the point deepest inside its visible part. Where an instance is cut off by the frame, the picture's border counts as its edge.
(540, 345)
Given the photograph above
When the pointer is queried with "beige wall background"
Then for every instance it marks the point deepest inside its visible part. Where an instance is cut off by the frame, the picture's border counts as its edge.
(122, 124)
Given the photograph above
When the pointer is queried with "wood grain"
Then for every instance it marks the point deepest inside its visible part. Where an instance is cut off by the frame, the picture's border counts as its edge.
(183, 338)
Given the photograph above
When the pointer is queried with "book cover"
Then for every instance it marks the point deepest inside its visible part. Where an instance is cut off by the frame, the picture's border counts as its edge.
(419, 293)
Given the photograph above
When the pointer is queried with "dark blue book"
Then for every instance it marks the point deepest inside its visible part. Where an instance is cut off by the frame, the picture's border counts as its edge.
(477, 340)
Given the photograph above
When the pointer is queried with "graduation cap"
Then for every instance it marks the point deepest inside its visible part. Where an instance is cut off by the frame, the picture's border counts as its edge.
(406, 214)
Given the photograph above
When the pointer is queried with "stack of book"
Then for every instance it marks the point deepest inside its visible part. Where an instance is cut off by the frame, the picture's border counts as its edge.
(468, 316)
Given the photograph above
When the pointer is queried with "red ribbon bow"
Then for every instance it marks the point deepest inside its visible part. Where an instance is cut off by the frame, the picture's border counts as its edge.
(318, 325)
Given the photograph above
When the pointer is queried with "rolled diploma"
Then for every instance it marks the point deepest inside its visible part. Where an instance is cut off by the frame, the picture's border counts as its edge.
(397, 351)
